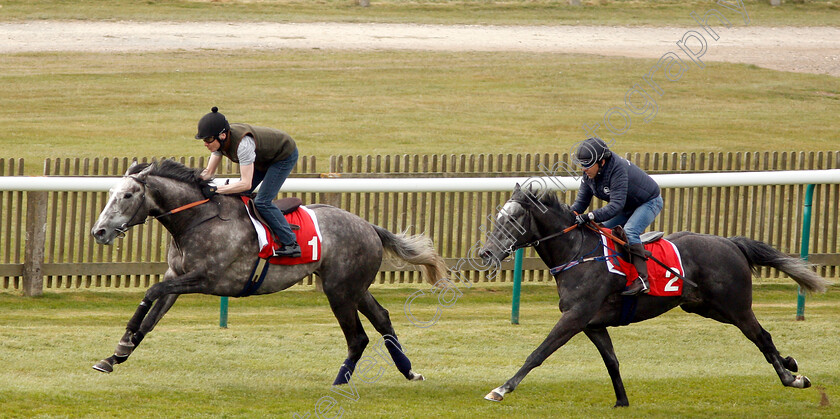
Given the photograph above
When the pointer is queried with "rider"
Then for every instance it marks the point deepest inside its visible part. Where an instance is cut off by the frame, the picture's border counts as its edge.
(264, 155)
(633, 196)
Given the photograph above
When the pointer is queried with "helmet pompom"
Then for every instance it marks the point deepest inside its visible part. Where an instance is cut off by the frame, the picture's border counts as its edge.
(214, 109)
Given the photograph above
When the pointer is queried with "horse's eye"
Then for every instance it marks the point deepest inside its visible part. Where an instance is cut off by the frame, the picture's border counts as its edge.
(127, 195)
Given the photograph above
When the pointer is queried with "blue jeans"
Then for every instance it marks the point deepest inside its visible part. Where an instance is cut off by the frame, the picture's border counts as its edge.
(272, 179)
(636, 223)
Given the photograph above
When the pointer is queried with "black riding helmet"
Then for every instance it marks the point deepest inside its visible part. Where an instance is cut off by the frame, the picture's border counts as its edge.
(212, 124)
(591, 151)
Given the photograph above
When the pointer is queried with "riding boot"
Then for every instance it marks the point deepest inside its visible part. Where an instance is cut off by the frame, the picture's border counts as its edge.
(639, 259)
(288, 250)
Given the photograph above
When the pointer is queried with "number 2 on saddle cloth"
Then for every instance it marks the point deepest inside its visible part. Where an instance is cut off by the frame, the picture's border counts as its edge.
(663, 283)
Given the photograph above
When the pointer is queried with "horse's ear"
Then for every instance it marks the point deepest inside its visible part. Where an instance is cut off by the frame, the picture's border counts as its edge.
(131, 166)
(532, 189)
(144, 173)
(517, 187)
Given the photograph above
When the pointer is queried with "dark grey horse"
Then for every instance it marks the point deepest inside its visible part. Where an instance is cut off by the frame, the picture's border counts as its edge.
(590, 297)
(214, 248)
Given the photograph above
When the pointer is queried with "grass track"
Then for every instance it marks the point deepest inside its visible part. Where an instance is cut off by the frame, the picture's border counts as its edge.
(281, 352)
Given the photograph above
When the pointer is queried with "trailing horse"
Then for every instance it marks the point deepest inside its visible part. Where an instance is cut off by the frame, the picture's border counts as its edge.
(214, 247)
(590, 297)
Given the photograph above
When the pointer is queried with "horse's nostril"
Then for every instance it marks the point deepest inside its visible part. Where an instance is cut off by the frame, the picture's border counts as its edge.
(99, 233)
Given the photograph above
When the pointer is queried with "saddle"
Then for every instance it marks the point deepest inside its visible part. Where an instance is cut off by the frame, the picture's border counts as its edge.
(286, 206)
(649, 237)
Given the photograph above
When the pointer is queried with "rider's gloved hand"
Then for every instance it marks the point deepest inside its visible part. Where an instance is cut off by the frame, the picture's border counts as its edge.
(208, 191)
(582, 219)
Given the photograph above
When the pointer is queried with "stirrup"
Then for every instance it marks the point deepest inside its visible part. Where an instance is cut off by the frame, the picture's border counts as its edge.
(639, 285)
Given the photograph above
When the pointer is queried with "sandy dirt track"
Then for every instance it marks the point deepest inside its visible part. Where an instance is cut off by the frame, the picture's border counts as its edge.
(799, 49)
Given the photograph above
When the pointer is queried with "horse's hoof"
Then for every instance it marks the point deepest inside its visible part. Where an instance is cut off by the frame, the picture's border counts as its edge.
(494, 397)
(791, 365)
(104, 366)
(415, 376)
(801, 381)
(624, 403)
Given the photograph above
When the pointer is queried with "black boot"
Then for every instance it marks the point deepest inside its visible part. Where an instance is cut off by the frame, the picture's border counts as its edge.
(639, 259)
(288, 250)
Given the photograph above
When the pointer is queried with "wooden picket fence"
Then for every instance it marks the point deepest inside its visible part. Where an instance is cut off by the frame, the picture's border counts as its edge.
(455, 221)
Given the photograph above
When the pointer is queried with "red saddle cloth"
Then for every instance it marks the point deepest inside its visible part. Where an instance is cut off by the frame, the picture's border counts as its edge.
(662, 282)
(308, 236)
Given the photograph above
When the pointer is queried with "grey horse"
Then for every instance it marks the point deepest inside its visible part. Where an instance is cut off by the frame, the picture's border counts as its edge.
(214, 248)
(590, 297)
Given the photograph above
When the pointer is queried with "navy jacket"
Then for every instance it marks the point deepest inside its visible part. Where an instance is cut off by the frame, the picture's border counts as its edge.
(621, 183)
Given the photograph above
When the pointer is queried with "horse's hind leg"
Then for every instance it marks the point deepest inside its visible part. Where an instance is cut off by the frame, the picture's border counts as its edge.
(380, 319)
(348, 318)
(143, 321)
(745, 321)
(753, 331)
(602, 341)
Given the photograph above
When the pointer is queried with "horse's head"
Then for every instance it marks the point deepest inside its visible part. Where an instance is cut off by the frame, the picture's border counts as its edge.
(147, 190)
(521, 221)
(126, 206)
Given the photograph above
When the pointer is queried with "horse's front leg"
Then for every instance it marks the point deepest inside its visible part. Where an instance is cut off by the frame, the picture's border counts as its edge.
(601, 339)
(570, 324)
(157, 301)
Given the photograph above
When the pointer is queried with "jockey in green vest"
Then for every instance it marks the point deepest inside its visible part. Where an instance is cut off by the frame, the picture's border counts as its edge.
(265, 155)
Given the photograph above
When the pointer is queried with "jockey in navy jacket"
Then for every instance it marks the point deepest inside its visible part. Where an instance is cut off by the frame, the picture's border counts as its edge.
(634, 200)
(621, 183)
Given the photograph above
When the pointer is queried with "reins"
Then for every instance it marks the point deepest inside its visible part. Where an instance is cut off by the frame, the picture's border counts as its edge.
(123, 228)
(548, 237)
(620, 242)
(179, 209)
(592, 226)
(583, 259)
(605, 233)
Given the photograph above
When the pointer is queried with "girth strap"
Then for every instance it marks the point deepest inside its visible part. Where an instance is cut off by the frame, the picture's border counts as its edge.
(256, 278)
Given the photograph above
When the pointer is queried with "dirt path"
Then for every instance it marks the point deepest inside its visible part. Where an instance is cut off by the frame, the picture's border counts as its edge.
(807, 50)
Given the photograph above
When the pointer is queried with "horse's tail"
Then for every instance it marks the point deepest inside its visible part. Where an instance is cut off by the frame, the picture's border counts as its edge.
(762, 254)
(417, 250)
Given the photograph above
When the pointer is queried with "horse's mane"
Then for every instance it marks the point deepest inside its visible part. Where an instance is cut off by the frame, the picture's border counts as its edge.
(171, 169)
(550, 200)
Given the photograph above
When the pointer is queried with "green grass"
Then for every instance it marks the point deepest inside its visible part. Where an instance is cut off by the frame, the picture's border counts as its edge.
(395, 102)
(281, 352)
(536, 12)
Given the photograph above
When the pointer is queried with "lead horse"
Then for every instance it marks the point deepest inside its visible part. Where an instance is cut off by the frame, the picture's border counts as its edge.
(590, 299)
(214, 247)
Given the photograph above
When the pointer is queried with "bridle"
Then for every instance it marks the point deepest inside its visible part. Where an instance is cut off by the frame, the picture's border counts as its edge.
(128, 224)
(537, 242)
(546, 238)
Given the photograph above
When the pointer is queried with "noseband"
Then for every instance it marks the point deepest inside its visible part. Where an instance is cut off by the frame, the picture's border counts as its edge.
(128, 224)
